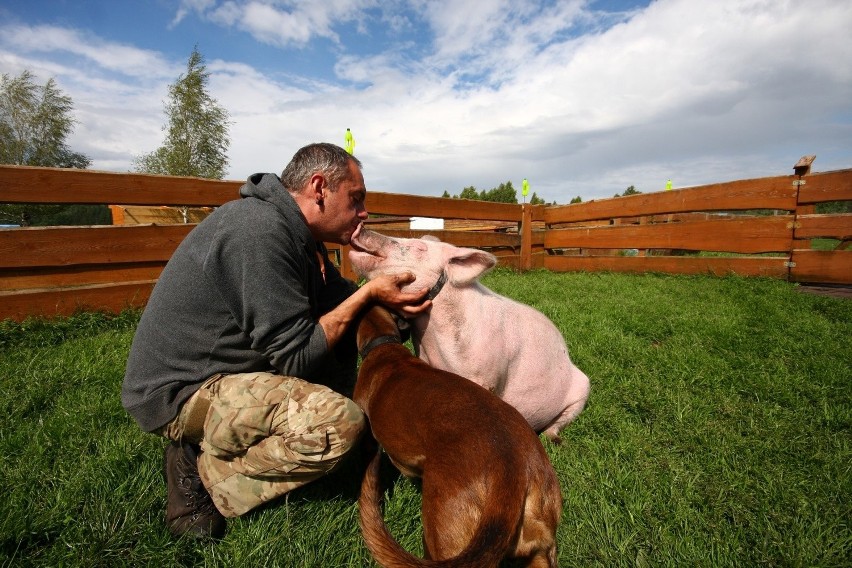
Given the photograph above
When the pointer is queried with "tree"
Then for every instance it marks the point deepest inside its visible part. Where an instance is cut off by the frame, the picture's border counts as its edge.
(631, 190)
(577, 199)
(35, 122)
(197, 138)
(503, 193)
(469, 193)
(536, 200)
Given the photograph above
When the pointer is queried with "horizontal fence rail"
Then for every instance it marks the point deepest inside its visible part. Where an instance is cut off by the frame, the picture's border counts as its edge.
(757, 227)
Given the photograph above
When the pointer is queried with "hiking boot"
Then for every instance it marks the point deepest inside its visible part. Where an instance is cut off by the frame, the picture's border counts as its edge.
(189, 509)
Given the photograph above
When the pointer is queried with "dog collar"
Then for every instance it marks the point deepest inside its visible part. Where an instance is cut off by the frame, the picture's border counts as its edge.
(434, 290)
(380, 340)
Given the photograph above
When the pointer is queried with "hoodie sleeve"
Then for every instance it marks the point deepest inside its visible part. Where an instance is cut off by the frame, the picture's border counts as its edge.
(263, 275)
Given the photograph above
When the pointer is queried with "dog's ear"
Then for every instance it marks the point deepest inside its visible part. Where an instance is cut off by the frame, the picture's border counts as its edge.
(466, 265)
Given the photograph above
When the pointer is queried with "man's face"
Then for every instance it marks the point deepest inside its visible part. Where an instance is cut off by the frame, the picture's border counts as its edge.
(344, 207)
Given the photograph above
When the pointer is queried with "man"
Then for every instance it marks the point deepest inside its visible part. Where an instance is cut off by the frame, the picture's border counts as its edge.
(248, 303)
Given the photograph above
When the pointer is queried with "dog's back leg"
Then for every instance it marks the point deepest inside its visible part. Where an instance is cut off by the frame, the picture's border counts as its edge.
(441, 541)
(542, 511)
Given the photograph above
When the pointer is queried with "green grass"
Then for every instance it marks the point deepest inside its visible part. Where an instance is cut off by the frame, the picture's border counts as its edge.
(717, 434)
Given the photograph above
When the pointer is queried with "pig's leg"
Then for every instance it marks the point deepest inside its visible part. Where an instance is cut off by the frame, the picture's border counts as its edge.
(578, 394)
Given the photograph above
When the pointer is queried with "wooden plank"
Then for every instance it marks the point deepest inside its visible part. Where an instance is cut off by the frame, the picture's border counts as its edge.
(762, 193)
(440, 208)
(82, 275)
(67, 301)
(822, 266)
(772, 267)
(475, 239)
(511, 261)
(824, 226)
(22, 184)
(740, 235)
(827, 186)
(66, 246)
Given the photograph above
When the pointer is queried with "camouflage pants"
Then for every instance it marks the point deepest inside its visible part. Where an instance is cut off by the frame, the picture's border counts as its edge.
(266, 434)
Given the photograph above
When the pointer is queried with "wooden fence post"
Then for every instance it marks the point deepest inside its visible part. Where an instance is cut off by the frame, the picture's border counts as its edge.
(800, 170)
(526, 237)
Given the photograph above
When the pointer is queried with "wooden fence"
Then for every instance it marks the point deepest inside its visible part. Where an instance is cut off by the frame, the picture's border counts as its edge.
(50, 271)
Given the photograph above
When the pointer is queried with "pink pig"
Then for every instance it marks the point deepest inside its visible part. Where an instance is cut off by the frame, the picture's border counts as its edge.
(505, 346)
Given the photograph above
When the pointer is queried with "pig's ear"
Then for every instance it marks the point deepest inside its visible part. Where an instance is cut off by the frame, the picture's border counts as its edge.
(466, 265)
(432, 238)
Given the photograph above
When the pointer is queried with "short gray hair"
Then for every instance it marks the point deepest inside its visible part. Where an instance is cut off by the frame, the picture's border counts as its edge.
(330, 160)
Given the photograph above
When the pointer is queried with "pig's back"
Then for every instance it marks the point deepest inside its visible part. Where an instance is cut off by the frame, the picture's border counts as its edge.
(538, 372)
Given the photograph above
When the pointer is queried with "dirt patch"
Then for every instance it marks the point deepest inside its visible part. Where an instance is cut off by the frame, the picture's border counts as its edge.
(832, 291)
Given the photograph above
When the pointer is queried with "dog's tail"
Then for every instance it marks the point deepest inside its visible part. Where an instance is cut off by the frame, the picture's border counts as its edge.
(497, 529)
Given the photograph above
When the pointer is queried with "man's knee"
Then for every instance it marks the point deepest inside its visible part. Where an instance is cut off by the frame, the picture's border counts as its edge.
(314, 409)
(348, 429)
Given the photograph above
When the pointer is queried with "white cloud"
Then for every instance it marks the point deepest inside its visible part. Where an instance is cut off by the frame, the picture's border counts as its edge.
(109, 56)
(713, 87)
(579, 102)
(188, 6)
(280, 23)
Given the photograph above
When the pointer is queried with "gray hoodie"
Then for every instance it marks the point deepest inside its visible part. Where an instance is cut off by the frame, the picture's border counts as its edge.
(243, 292)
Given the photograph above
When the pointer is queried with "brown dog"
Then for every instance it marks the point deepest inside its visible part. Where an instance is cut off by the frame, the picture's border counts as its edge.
(489, 490)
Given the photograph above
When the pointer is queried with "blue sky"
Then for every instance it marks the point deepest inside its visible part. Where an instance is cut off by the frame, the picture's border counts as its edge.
(580, 97)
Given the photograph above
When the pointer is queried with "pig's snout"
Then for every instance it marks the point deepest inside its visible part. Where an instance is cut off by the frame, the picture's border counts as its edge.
(369, 242)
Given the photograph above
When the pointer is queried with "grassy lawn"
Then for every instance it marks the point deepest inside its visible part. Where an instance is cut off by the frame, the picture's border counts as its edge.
(718, 433)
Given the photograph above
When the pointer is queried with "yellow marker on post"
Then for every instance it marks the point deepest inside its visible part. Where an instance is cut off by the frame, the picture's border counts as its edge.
(350, 142)
(525, 189)
(668, 185)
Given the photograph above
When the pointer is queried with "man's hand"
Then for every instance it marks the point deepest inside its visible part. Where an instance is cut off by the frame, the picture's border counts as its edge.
(387, 290)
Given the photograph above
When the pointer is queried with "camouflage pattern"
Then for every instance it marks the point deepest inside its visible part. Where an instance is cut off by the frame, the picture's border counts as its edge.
(267, 434)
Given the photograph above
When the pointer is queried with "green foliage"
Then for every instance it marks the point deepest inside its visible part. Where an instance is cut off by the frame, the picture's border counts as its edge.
(536, 200)
(35, 122)
(577, 199)
(834, 207)
(631, 190)
(717, 434)
(197, 139)
(51, 215)
(825, 244)
(503, 193)
(469, 192)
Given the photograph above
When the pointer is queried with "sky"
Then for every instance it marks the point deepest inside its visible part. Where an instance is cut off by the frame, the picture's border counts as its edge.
(581, 97)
